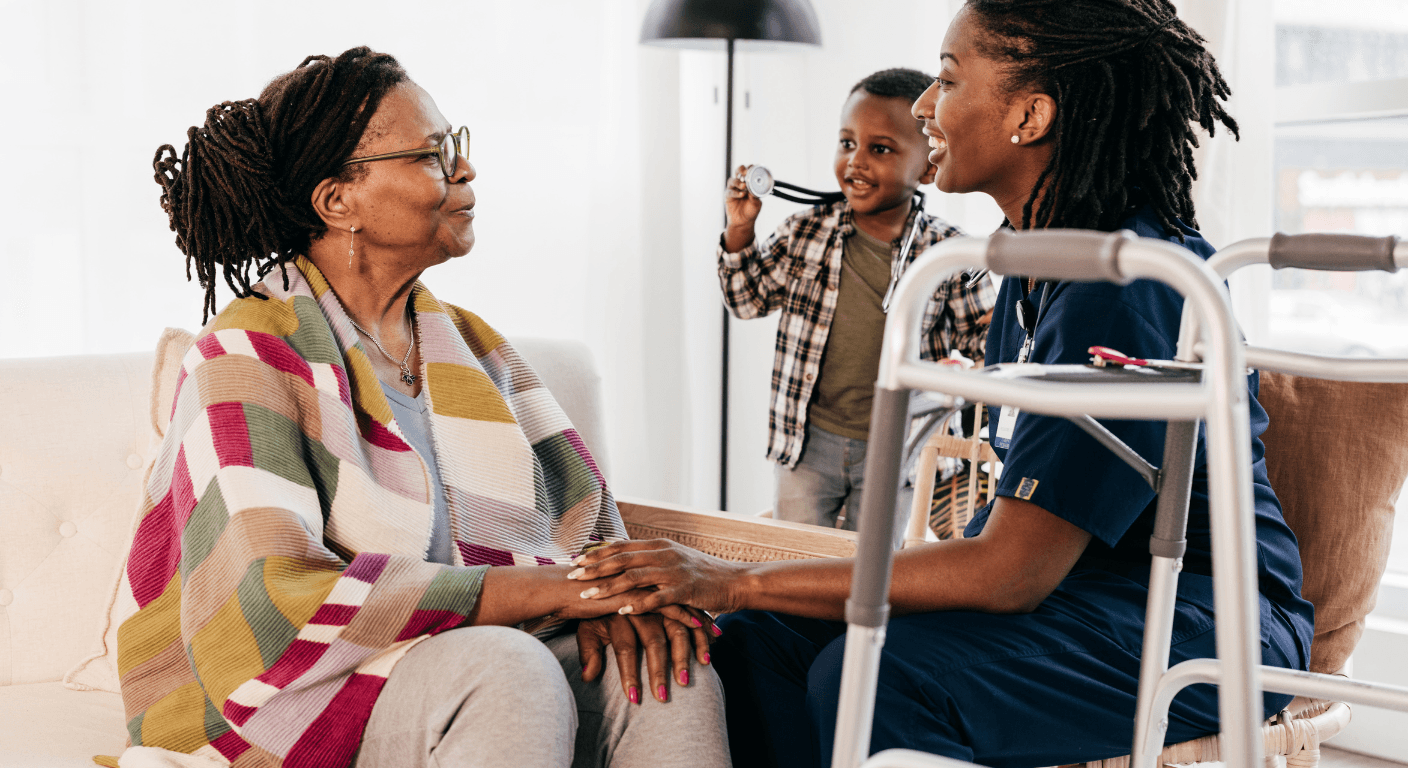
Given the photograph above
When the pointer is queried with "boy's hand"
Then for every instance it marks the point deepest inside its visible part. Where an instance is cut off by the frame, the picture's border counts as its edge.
(742, 208)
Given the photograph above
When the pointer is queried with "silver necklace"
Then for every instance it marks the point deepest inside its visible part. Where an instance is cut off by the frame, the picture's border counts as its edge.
(406, 375)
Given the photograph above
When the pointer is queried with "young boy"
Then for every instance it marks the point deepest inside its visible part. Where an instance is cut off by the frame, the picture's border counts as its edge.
(828, 269)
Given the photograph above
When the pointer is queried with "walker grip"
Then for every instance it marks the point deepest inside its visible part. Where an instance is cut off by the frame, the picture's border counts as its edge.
(1071, 254)
(1333, 252)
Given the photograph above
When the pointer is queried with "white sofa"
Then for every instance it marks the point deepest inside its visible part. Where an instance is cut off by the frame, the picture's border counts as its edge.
(76, 434)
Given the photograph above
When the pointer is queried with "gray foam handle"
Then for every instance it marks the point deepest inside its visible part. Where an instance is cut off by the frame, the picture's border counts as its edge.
(1061, 254)
(1338, 253)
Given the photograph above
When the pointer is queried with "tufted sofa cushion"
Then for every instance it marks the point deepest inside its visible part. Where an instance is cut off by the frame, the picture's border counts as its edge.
(74, 439)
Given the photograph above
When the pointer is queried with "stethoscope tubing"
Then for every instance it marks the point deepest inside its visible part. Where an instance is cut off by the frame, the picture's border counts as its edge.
(808, 196)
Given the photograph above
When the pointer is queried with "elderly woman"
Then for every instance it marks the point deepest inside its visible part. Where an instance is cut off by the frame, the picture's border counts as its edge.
(1019, 645)
(364, 490)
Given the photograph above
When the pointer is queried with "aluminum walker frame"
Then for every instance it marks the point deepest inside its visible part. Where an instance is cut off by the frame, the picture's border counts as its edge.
(1218, 396)
(1157, 683)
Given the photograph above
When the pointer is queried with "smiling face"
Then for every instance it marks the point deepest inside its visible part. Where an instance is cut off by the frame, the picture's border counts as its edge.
(966, 114)
(406, 210)
(880, 154)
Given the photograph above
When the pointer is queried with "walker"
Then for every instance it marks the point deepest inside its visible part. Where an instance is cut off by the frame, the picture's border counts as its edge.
(1204, 382)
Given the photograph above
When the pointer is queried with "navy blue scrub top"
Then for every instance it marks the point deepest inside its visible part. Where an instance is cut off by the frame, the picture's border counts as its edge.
(1057, 466)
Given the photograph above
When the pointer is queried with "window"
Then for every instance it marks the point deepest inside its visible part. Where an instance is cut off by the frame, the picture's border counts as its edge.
(1341, 165)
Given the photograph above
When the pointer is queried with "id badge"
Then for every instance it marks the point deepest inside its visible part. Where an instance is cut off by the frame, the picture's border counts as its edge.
(1006, 422)
(1007, 419)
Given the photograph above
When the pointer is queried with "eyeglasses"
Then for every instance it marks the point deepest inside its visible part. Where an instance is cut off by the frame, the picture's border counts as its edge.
(453, 146)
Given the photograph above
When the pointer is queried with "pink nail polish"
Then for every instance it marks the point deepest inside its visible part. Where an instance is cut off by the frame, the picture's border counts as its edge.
(634, 695)
(684, 677)
(706, 658)
(696, 621)
(717, 631)
(661, 692)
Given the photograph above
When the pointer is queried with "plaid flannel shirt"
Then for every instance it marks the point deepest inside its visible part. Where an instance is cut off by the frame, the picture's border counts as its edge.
(798, 270)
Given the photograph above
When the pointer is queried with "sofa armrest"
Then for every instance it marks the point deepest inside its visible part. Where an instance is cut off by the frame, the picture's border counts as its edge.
(733, 537)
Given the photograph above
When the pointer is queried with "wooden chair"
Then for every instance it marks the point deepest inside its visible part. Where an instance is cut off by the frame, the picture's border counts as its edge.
(965, 490)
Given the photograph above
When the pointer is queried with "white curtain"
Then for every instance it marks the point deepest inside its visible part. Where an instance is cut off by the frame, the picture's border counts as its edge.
(1234, 191)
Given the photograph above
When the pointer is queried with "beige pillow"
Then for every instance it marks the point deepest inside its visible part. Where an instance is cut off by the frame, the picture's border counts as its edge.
(99, 671)
(1337, 455)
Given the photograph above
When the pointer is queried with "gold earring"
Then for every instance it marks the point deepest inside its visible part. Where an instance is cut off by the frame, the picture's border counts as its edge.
(351, 243)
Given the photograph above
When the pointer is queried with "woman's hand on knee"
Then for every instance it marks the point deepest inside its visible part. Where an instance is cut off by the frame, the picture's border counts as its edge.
(669, 573)
(666, 644)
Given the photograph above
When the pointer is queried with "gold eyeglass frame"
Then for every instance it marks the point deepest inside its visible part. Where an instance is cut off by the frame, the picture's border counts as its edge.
(455, 139)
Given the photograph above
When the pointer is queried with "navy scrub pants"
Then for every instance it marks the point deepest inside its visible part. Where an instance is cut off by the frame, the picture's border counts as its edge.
(1046, 688)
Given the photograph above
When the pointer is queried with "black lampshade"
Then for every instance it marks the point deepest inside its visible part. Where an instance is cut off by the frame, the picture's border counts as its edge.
(707, 23)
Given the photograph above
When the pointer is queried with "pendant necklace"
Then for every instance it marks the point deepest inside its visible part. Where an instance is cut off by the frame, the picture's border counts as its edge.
(406, 375)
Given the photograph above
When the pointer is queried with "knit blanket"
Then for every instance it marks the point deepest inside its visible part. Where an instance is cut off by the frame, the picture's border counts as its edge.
(279, 563)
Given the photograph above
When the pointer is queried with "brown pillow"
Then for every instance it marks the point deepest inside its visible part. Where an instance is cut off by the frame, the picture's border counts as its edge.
(1337, 455)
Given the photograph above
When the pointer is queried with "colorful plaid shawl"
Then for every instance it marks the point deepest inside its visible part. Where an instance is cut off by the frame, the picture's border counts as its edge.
(280, 566)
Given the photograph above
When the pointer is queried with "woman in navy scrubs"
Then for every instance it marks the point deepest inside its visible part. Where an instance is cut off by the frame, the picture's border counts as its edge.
(1019, 645)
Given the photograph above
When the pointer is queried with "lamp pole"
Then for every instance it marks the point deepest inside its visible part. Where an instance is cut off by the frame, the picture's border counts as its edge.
(723, 332)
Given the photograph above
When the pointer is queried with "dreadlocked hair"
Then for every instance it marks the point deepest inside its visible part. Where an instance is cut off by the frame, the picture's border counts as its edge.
(1130, 81)
(239, 196)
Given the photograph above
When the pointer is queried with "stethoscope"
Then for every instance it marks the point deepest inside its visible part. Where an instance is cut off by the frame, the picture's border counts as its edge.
(760, 182)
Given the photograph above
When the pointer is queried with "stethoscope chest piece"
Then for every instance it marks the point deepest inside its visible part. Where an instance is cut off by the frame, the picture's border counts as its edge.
(759, 181)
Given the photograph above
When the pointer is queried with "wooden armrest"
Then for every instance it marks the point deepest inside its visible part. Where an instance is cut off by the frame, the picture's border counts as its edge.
(733, 537)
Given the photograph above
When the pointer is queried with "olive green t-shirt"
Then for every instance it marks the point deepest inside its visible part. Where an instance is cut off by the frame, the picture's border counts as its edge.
(844, 391)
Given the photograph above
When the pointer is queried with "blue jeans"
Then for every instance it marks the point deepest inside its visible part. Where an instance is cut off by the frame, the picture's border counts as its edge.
(828, 480)
(1050, 687)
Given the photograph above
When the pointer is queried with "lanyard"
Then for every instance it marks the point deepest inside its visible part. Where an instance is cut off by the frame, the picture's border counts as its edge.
(897, 265)
(1029, 316)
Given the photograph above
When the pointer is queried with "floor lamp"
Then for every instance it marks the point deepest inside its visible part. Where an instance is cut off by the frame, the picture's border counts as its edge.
(722, 23)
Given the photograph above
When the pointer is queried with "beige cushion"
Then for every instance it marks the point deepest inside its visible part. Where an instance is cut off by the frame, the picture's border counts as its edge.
(1337, 455)
(74, 437)
(46, 726)
(565, 367)
(568, 370)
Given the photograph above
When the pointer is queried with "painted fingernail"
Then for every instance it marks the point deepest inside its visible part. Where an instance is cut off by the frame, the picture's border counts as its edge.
(684, 677)
(660, 693)
(696, 621)
(717, 632)
(586, 593)
(625, 609)
(634, 695)
(577, 574)
(577, 559)
(706, 658)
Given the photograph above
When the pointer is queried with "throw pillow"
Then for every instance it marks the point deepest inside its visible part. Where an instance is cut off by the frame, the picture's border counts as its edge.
(1337, 455)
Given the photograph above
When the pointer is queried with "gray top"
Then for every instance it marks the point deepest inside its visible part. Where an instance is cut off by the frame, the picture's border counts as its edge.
(414, 420)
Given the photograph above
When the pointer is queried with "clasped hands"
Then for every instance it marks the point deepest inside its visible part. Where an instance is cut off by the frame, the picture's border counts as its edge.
(651, 595)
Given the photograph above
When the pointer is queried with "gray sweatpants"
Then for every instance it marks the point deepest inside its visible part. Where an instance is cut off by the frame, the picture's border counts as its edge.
(495, 696)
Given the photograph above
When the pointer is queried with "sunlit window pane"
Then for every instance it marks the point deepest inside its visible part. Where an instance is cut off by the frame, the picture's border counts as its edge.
(1341, 176)
(1345, 41)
